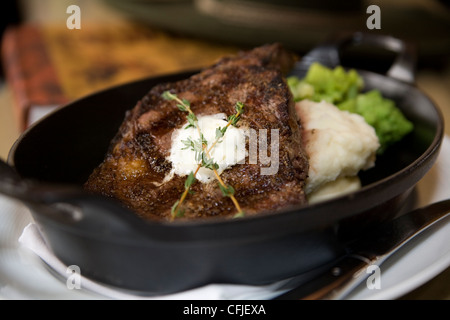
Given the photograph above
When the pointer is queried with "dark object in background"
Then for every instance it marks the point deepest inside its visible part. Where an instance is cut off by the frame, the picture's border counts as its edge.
(299, 25)
(9, 15)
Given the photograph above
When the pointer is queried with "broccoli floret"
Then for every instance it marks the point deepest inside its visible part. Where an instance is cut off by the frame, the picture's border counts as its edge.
(300, 89)
(321, 83)
(343, 89)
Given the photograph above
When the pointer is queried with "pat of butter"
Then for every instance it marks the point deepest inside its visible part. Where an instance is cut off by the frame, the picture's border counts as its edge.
(226, 153)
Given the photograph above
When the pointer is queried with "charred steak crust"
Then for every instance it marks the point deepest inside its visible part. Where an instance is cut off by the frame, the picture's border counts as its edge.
(136, 164)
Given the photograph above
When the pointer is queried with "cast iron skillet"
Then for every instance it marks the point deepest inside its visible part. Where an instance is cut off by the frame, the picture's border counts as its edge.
(113, 246)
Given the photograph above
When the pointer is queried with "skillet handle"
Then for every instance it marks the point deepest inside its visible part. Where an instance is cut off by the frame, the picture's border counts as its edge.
(328, 53)
(10, 182)
(69, 206)
(13, 185)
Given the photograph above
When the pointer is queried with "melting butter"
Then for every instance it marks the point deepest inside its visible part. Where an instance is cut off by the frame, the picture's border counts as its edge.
(226, 153)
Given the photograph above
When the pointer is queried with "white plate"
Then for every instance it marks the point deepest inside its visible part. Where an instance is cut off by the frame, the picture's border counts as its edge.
(23, 275)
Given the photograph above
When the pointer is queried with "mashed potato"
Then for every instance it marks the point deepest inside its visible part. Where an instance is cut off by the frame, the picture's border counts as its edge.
(339, 144)
(332, 189)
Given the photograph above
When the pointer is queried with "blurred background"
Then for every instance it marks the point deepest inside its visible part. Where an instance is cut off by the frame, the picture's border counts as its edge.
(45, 64)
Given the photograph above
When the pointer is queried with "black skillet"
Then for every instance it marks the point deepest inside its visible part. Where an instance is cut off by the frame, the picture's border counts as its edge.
(113, 246)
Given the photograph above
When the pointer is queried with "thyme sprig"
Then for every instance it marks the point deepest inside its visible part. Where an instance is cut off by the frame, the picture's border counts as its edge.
(202, 152)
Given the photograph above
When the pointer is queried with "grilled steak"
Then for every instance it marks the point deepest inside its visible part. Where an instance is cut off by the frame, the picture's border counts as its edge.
(136, 164)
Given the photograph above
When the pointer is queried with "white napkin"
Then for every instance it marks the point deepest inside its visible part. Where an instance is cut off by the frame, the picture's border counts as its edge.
(32, 239)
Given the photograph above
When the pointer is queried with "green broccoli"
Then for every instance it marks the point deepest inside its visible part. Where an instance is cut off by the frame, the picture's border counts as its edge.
(343, 89)
(321, 83)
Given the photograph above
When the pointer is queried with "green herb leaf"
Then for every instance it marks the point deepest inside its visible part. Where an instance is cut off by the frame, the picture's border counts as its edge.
(180, 213)
(186, 102)
(220, 132)
(233, 119)
(203, 140)
(198, 146)
(209, 163)
(181, 107)
(226, 191)
(174, 209)
(239, 107)
(188, 144)
(168, 95)
(240, 214)
(189, 181)
(192, 120)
